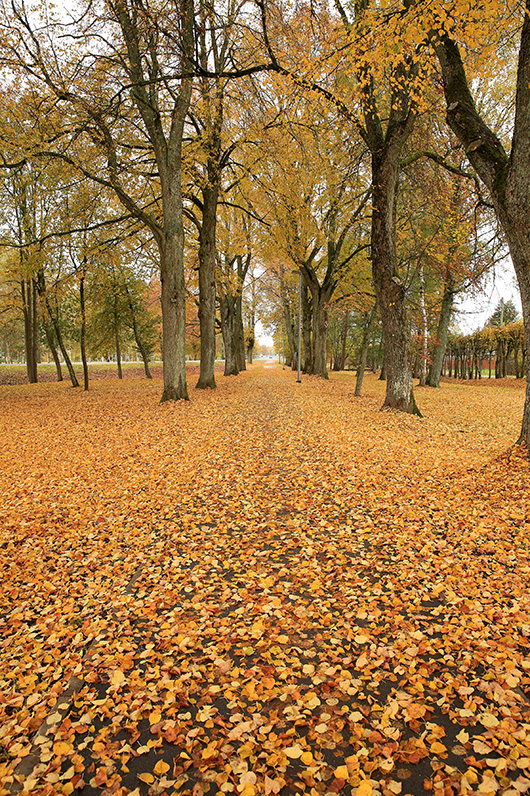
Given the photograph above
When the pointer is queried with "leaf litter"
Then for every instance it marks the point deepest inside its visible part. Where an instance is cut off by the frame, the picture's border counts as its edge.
(272, 589)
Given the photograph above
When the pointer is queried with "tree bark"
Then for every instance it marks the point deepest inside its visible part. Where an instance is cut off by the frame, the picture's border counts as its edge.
(308, 330)
(320, 333)
(83, 330)
(388, 284)
(228, 330)
(173, 301)
(207, 255)
(240, 334)
(423, 331)
(27, 289)
(117, 338)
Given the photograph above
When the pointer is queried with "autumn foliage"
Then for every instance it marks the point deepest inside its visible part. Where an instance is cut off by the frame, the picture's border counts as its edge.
(272, 588)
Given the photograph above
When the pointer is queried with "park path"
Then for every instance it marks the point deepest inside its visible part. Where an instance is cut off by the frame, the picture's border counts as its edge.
(275, 587)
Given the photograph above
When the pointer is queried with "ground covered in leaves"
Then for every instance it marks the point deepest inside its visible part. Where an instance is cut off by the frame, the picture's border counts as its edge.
(274, 588)
(16, 374)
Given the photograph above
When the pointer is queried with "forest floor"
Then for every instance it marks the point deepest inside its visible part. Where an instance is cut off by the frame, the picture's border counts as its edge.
(274, 588)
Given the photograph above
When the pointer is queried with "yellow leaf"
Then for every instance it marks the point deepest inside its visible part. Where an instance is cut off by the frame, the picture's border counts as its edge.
(438, 748)
(341, 772)
(488, 720)
(146, 777)
(471, 775)
(463, 736)
(481, 748)
(62, 747)
(117, 678)
(365, 788)
(161, 767)
(155, 717)
(306, 758)
(294, 752)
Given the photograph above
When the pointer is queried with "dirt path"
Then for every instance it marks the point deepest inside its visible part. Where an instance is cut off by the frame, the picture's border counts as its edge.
(327, 598)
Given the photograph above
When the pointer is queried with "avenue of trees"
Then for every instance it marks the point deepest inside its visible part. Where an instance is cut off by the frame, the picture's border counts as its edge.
(173, 170)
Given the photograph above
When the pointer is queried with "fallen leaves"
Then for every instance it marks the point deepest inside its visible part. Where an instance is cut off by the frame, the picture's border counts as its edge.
(258, 606)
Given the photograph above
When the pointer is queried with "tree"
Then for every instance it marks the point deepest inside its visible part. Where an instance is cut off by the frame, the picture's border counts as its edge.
(234, 259)
(504, 312)
(114, 107)
(314, 198)
(506, 176)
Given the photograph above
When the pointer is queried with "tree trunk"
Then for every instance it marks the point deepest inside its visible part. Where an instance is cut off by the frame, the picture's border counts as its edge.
(40, 283)
(60, 343)
(239, 331)
(308, 327)
(173, 301)
(29, 307)
(320, 334)
(251, 339)
(228, 330)
(137, 339)
(423, 331)
(83, 331)
(363, 355)
(117, 339)
(291, 358)
(48, 331)
(389, 286)
(207, 252)
(344, 337)
(435, 370)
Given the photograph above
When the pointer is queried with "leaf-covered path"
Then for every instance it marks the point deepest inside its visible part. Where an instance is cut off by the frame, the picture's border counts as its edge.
(273, 588)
